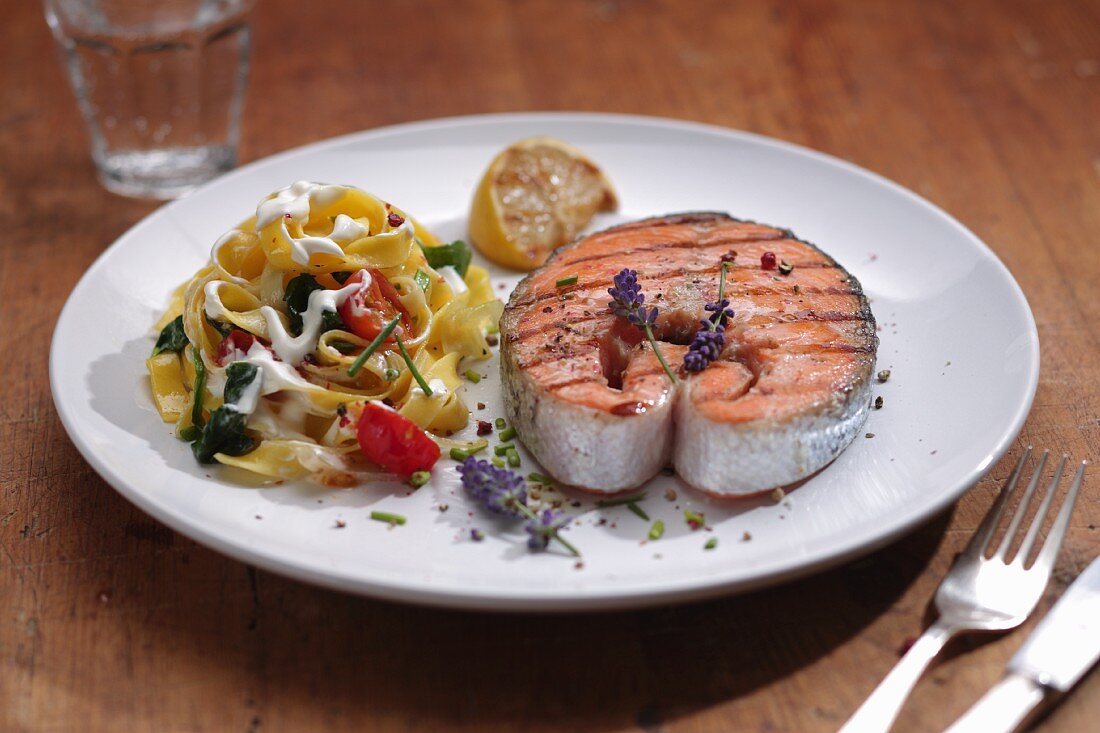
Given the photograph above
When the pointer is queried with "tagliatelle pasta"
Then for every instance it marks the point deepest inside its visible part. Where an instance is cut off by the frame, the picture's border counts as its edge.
(268, 354)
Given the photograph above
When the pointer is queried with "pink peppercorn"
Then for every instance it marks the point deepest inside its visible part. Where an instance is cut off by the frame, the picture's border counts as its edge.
(767, 261)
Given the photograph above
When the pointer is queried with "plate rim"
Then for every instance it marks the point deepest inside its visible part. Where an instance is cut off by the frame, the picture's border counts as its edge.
(556, 600)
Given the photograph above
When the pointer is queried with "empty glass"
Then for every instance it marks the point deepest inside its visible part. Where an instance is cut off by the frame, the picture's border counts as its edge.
(160, 84)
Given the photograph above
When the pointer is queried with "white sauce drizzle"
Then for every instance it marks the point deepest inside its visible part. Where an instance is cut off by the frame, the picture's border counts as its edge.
(292, 349)
(214, 307)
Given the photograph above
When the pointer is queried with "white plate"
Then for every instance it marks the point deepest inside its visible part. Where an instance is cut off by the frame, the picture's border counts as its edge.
(956, 332)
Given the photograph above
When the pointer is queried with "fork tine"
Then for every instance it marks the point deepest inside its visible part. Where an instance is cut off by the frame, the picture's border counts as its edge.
(1041, 512)
(985, 531)
(1057, 533)
(1021, 509)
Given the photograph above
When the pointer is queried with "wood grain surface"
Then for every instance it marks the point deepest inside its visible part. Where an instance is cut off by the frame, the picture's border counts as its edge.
(111, 622)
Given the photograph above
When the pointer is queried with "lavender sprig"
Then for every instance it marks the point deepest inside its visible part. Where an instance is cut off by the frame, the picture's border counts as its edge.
(504, 492)
(710, 339)
(628, 301)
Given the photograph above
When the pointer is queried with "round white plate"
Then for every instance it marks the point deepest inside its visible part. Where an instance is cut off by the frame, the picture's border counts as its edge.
(956, 333)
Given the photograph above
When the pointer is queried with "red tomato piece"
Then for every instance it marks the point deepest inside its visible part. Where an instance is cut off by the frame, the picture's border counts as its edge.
(237, 341)
(395, 442)
(371, 308)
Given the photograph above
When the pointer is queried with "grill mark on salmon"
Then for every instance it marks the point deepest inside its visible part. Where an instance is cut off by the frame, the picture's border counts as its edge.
(789, 392)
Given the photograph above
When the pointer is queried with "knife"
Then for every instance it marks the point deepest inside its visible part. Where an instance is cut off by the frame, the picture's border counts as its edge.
(1064, 646)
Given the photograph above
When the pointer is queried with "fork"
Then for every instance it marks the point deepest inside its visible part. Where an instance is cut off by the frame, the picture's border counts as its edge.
(980, 593)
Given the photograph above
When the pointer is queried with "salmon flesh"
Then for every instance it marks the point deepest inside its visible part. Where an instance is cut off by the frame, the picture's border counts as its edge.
(789, 392)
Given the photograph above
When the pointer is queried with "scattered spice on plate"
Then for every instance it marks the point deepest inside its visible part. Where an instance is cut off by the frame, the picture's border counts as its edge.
(746, 537)
(785, 268)
(670, 494)
(695, 520)
(484, 427)
(476, 535)
(870, 435)
(884, 375)
(878, 402)
(340, 524)
(778, 494)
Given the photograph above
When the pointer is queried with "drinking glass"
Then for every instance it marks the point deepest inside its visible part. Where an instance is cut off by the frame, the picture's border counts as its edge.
(160, 84)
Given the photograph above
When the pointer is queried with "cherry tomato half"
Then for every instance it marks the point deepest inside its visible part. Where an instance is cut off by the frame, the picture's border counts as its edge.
(237, 341)
(371, 308)
(395, 442)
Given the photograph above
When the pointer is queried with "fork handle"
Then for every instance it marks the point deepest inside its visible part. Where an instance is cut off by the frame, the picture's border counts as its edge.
(877, 713)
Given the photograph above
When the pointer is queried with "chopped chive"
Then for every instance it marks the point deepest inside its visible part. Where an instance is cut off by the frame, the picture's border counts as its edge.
(387, 517)
(695, 520)
(565, 281)
(638, 511)
(540, 478)
(472, 376)
(507, 434)
(620, 501)
(419, 478)
(461, 454)
(412, 367)
(200, 388)
(657, 530)
(492, 328)
(498, 461)
(711, 543)
(513, 458)
(503, 449)
(372, 347)
(500, 423)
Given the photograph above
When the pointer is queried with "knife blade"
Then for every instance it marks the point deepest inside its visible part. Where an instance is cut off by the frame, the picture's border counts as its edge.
(1064, 646)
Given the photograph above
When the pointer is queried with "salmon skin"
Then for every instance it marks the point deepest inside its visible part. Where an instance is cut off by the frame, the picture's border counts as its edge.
(789, 392)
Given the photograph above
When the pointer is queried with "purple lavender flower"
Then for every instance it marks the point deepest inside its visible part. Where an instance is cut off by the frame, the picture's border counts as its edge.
(721, 312)
(627, 300)
(544, 527)
(705, 347)
(499, 489)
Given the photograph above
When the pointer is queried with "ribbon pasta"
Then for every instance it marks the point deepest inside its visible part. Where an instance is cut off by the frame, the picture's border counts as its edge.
(302, 408)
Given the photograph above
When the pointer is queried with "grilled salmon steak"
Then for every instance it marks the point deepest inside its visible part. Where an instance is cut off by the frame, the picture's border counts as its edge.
(789, 391)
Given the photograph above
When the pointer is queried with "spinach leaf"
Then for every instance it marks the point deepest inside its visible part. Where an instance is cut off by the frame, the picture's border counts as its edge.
(171, 338)
(223, 434)
(457, 254)
(423, 280)
(238, 376)
(296, 298)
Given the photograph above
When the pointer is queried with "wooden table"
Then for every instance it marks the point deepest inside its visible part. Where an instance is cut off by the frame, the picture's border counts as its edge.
(111, 622)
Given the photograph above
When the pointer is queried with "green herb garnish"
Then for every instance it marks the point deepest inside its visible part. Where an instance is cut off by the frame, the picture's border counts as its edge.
(507, 434)
(171, 338)
(638, 511)
(500, 423)
(603, 504)
(503, 449)
(513, 458)
(540, 478)
(200, 388)
(412, 367)
(388, 518)
(223, 328)
(566, 281)
(472, 376)
(423, 280)
(419, 478)
(657, 530)
(457, 254)
(373, 346)
(711, 543)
